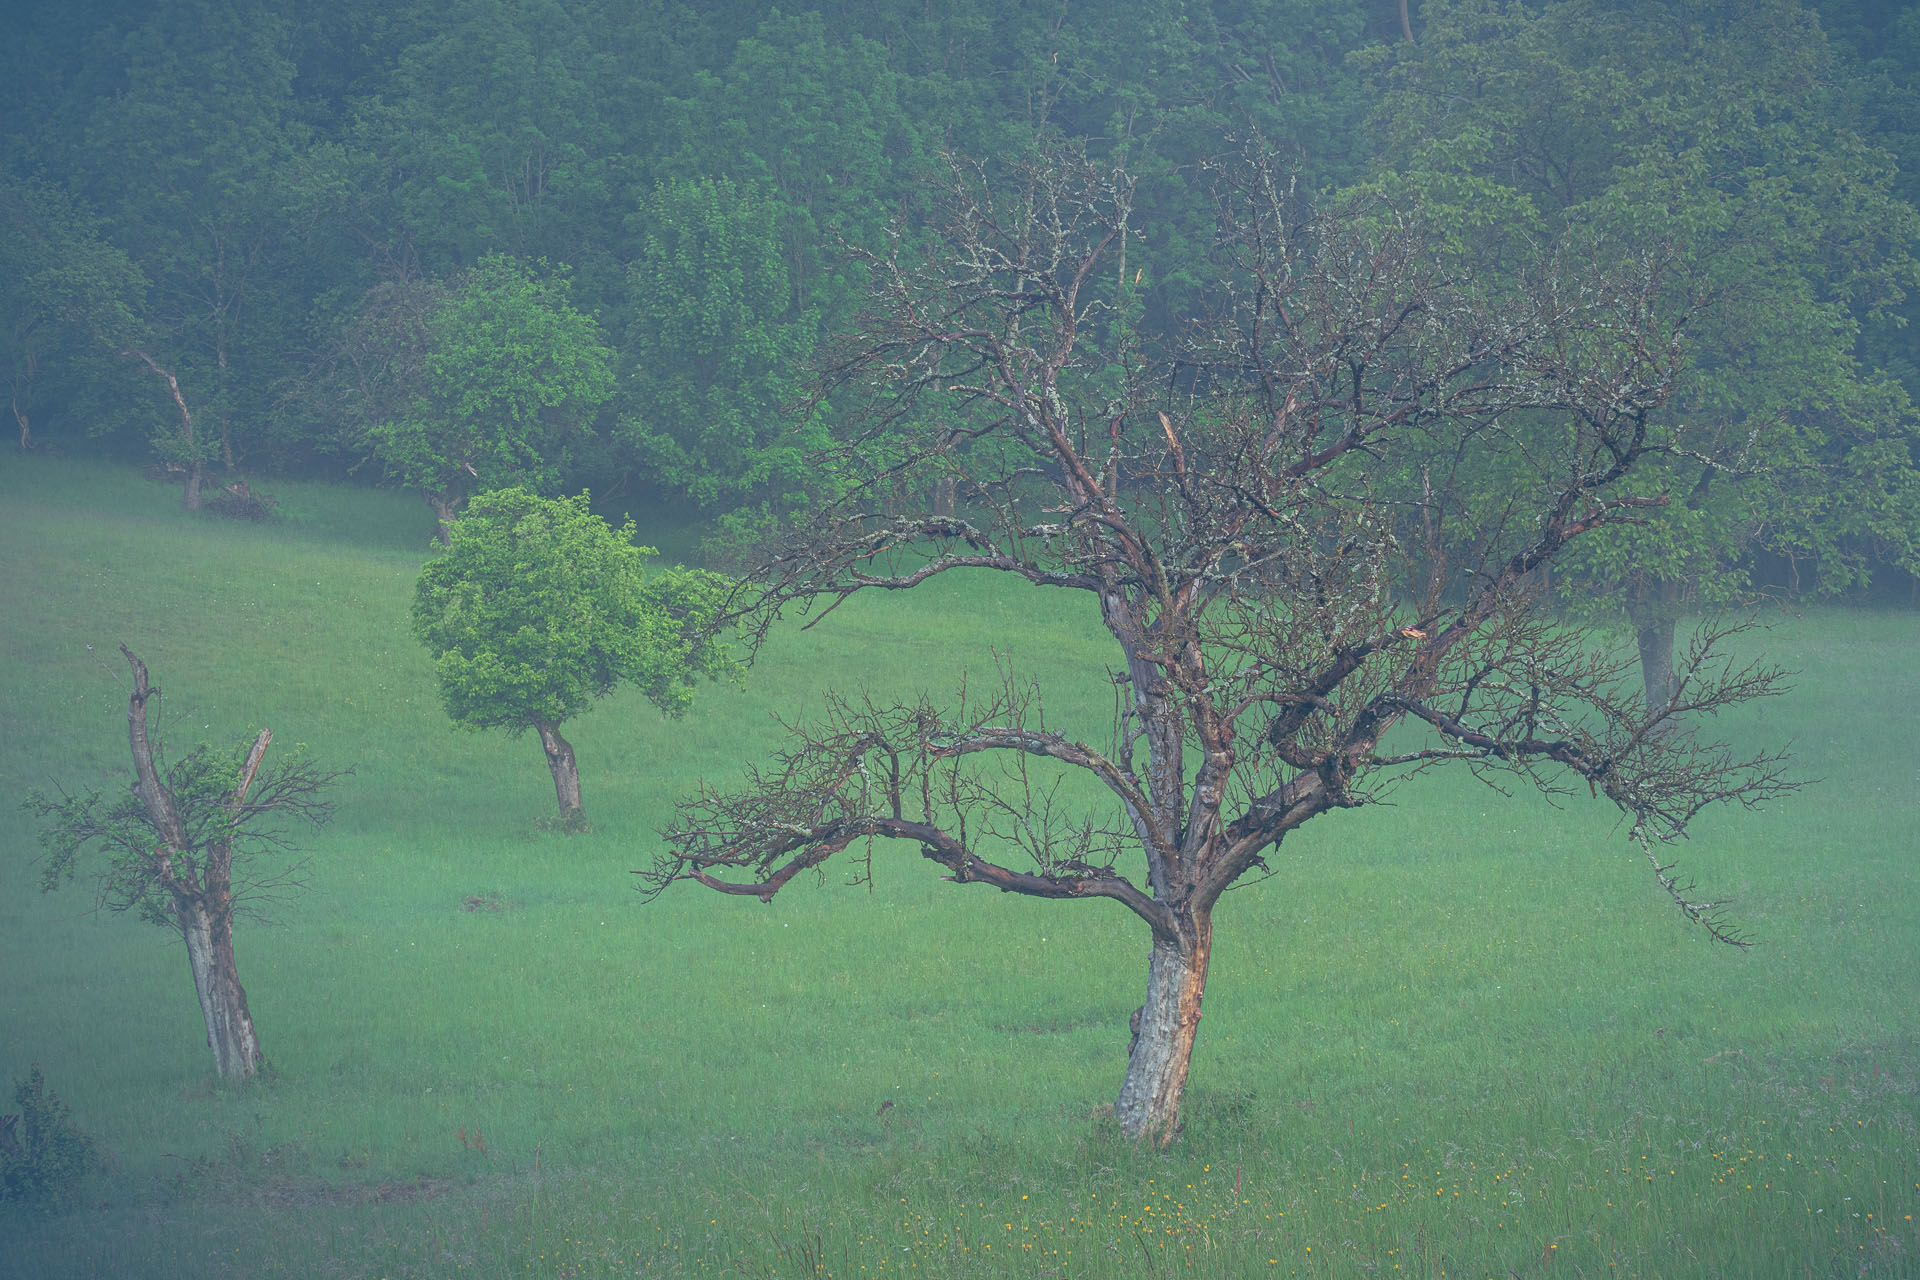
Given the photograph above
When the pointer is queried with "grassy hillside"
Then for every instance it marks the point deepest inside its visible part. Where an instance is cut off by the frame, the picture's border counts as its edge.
(1462, 1035)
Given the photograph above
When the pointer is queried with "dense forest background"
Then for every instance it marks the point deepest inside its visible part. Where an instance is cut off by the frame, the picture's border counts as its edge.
(573, 243)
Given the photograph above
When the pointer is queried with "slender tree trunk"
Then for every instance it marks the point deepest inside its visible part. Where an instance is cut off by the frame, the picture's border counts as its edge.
(190, 499)
(1654, 612)
(1149, 1103)
(1656, 661)
(223, 1002)
(20, 416)
(566, 774)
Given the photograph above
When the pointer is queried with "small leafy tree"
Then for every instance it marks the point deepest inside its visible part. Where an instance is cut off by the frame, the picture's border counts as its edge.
(184, 847)
(538, 607)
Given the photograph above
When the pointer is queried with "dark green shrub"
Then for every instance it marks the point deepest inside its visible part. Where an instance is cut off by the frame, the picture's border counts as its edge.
(42, 1155)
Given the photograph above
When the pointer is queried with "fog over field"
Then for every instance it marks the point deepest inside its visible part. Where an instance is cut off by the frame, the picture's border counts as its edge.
(967, 640)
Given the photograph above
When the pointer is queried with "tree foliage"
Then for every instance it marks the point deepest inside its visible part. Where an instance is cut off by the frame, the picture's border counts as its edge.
(43, 1154)
(69, 299)
(718, 352)
(227, 849)
(279, 178)
(538, 608)
(507, 373)
(1717, 133)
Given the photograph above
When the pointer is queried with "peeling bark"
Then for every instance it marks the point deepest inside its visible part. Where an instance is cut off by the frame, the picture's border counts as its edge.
(1149, 1102)
(203, 908)
(208, 931)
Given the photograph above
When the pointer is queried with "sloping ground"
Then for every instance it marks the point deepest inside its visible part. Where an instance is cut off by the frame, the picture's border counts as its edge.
(1463, 1033)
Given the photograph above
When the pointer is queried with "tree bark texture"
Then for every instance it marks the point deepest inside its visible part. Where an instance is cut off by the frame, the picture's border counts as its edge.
(445, 511)
(208, 931)
(566, 774)
(1149, 1102)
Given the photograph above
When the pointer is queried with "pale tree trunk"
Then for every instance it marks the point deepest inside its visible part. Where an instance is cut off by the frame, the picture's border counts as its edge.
(1149, 1103)
(1653, 611)
(216, 978)
(203, 908)
(190, 499)
(566, 774)
(1655, 639)
(20, 416)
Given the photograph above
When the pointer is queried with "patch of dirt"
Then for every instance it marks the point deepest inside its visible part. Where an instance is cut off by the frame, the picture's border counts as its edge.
(296, 1193)
(484, 902)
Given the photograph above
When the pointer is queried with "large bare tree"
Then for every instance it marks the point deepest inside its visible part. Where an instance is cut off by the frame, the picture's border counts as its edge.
(1241, 511)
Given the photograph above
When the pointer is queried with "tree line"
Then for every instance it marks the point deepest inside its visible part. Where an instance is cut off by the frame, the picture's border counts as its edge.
(562, 244)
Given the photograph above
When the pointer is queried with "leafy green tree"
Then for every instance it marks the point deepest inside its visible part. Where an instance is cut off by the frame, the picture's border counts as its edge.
(185, 848)
(487, 135)
(67, 297)
(187, 163)
(1715, 132)
(822, 131)
(717, 350)
(504, 371)
(1884, 81)
(537, 608)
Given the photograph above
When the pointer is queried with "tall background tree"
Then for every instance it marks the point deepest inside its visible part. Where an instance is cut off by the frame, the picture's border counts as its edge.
(718, 351)
(1715, 130)
(70, 301)
(283, 179)
(492, 385)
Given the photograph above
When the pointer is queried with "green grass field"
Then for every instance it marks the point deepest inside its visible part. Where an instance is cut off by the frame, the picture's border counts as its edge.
(1462, 1035)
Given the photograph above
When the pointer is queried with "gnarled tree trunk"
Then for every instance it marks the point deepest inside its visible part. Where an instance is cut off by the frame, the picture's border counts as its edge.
(445, 512)
(208, 931)
(566, 774)
(1149, 1103)
(203, 905)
